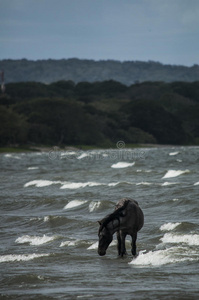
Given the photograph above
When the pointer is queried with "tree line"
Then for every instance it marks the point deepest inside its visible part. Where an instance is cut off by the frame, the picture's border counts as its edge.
(99, 113)
(79, 70)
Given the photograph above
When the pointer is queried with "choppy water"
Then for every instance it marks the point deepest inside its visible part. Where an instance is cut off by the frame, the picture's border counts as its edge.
(50, 204)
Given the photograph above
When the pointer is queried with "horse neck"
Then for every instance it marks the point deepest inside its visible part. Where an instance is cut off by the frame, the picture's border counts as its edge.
(113, 225)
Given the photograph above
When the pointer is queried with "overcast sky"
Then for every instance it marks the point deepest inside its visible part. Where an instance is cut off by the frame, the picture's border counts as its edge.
(160, 30)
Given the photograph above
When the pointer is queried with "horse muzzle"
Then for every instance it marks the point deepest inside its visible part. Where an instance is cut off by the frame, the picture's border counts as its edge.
(101, 252)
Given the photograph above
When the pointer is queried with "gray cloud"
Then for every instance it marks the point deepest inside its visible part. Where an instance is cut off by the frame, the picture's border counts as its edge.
(165, 31)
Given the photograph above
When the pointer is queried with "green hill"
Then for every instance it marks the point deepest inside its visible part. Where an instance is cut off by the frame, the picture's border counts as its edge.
(100, 113)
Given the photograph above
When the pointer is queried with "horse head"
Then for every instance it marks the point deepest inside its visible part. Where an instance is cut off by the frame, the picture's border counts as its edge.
(105, 238)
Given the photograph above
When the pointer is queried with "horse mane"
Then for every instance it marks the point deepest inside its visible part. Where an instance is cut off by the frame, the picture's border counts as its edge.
(115, 215)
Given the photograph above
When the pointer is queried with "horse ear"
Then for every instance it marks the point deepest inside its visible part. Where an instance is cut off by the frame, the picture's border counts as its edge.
(99, 222)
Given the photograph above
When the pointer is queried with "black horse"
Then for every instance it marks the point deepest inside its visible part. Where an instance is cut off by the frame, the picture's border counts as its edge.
(127, 219)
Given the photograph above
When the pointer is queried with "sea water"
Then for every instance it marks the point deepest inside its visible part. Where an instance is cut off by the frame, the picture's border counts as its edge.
(50, 203)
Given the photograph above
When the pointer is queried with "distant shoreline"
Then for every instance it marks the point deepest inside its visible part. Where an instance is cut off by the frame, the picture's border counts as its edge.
(82, 147)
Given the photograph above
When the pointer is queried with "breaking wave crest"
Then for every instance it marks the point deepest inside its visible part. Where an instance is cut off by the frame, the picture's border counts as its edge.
(174, 153)
(73, 243)
(20, 257)
(93, 206)
(35, 240)
(175, 248)
(41, 183)
(189, 239)
(169, 226)
(120, 165)
(74, 203)
(77, 185)
(175, 173)
(163, 257)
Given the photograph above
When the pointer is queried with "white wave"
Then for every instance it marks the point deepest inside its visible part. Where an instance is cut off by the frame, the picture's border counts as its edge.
(174, 153)
(35, 240)
(73, 243)
(162, 257)
(46, 218)
(74, 203)
(151, 258)
(175, 173)
(197, 183)
(73, 185)
(33, 168)
(20, 257)
(168, 183)
(93, 206)
(190, 239)
(67, 153)
(41, 183)
(69, 243)
(94, 246)
(8, 155)
(119, 182)
(77, 185)
(12, 156)
(114, 183)
(169, 226)
(121, 164)
(114, 243)
(82, 155)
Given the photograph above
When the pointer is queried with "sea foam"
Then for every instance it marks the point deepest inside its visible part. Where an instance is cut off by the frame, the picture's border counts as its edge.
(12, 156)
(173, 153)
(169, 226)
(175, 173)
(69, 243)
(74, 203)
(83, 155)
(114, 183)
(41, 183)
(168, 183)
(67, 153)
(94, 246)
(190, 239)
(35, 240)
(33, 168)
(20, 257)
(93, 206)
(121, 165)
(77, 185)
(161, 257)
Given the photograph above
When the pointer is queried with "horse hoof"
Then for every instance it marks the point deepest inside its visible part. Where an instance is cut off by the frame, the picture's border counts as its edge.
(123, 255)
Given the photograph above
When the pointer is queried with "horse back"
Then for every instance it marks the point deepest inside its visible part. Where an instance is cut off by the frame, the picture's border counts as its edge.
(132, 217)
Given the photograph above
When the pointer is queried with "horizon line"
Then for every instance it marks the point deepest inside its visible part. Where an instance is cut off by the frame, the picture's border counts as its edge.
(100, 60)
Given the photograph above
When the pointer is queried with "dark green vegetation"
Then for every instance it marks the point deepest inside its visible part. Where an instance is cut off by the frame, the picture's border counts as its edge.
(99, 113)
(78, 70)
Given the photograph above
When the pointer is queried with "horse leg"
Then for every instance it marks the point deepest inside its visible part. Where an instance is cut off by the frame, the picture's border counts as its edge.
(118, 243)
(133, 249)
(123, 248)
